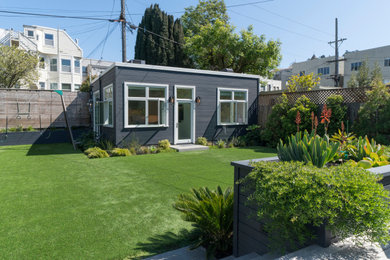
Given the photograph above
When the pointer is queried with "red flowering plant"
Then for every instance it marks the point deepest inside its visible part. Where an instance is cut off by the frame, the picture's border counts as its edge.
(325, 117)
(314, 123)
(298, 120)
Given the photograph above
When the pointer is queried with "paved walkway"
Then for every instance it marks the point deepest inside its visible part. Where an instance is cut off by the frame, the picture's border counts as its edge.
(189, 147)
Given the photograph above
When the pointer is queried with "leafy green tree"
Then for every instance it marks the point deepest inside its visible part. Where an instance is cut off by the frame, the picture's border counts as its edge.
(376, 74)
(374, 114)
(206, 12)
(353, 83)
(160, 39)
(363, 75)
(17, 68)
(302, 82)
(86, 84)
(217, 47)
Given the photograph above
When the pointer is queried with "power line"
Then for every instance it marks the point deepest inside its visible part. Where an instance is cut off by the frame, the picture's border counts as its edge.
(58, 16)
(143, 29)
(292, 20)
(278, 27)
(102, 41)
(108, 30)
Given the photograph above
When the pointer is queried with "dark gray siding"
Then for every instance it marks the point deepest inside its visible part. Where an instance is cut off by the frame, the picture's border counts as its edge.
(206, 112)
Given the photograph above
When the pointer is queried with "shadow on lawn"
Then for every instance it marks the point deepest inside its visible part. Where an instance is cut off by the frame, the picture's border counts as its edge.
(50, 149)
(259, 149)
(168, 241)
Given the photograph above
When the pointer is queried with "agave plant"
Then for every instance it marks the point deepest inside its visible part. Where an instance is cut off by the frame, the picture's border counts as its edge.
(309, 148)
(211, 213)
(363, 147)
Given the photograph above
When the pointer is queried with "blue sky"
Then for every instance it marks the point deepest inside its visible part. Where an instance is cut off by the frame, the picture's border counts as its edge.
(303, 26)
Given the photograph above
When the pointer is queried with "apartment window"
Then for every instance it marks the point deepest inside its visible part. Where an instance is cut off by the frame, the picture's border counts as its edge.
(85, 70)
(232, 105)
(66, 86)
(14, 43)
(42, 63)
(107, 105)
(355, 66)
(65, 64)
(77, 86)
(77, 66)
(301, 73)
(53, 85)
(387, 62)
(53, 65)
(146, 105)
(49, 39)
(30, 33)
(323, 71)
(41, 85)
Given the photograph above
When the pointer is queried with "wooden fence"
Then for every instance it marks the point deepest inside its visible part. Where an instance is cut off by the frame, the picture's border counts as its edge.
(42, 108)
(353, 98)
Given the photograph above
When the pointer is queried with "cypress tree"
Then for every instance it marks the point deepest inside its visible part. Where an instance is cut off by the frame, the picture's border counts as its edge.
(162, 50)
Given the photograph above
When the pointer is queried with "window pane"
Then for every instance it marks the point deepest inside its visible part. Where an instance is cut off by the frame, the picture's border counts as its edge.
(107, 93)
(136, 112)
(53, 65)
(53, 86)
(41, 63)
(66, 65)
(225, 112)
(184, 93)
(153, 112)
(136, 91)
(66, 86)
(110, 112)
(162, 113)
(225, 95)
(77, 86)
(241, 112)
(239, 95)
(157, 92)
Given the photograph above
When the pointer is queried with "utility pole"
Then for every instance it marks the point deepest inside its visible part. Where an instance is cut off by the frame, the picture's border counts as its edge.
(337, 42)
(122, 19)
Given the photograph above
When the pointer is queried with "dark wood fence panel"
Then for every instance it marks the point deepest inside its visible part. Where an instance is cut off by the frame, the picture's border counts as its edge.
(353, 98)
(42, 109)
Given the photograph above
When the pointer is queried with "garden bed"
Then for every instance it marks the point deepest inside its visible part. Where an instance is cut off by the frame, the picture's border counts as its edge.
(248, 233)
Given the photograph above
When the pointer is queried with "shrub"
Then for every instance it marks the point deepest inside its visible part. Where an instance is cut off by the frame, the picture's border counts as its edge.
(202, 141)
(308, 149)
(29, 129)
(221, 144)
(96, 152)
(143, 150)
(211, 213)
(231, 144)
(374, 115)
(106, 144)
(252, 136)
(86, 140)
(164, 144)
(154, 149)
(292, 197)
(339, 112)
(120, 152)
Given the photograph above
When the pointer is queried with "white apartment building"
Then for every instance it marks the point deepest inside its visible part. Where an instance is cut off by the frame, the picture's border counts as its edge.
(92, 67)
(380, 56)
(323, 67)
(270, 85)
(60, 57)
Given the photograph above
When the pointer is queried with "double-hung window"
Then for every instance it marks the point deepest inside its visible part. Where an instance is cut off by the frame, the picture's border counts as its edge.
(77, 66)
(108, 106)
(49, 39)
(232, 106)
(53, 64)
(146, 105)
(66, 66)
(355, 66)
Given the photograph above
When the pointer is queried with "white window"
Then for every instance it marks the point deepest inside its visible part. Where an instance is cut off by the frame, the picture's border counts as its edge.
(65, 64)
(53, 85)
(41, 85)
(66, 86)
(49, 39)
(77, 66)
(53, 65)
(146, 105)
(77, 86)
(108, 106)
(30, 33)
(232, 106)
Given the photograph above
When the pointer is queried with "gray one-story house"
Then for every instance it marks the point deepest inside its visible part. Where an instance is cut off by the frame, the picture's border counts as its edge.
(151, 103)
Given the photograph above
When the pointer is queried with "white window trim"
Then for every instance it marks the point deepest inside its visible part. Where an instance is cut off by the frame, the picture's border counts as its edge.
(104, 107)
(176, 116)
(229, 101)
(127, 98)
(95, 96)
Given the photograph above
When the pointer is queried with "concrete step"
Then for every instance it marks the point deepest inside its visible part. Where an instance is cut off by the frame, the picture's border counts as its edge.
(251, 256)
(189, 147)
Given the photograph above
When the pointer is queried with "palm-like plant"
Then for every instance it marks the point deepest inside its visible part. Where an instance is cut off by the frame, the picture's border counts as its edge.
(211, 213)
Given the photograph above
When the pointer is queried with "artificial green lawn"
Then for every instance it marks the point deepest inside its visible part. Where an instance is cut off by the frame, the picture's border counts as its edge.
(57, 204)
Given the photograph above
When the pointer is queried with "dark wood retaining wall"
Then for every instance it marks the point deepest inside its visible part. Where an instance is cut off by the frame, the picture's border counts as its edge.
(248, 235)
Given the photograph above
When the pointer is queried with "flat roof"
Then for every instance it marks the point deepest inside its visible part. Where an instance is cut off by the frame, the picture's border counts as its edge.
(178, 69)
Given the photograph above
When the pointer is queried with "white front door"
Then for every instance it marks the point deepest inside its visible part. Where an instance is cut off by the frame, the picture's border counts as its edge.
(184, 114)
